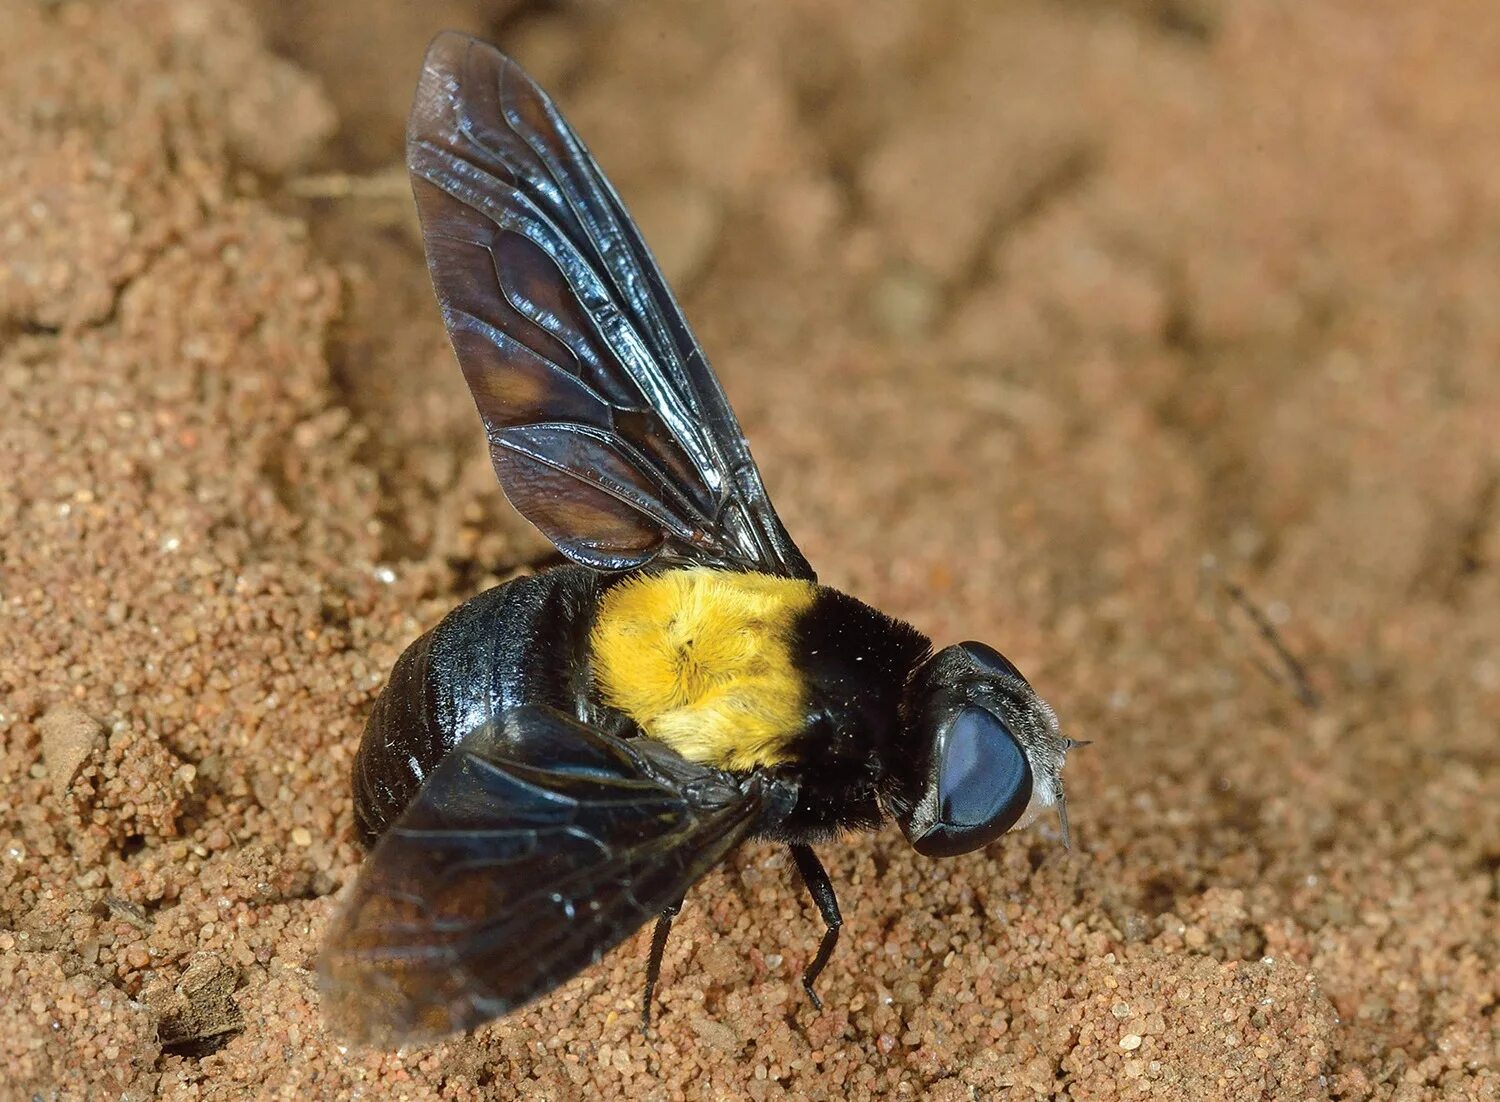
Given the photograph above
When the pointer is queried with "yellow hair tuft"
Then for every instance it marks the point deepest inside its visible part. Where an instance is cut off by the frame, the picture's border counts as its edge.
(701, 660)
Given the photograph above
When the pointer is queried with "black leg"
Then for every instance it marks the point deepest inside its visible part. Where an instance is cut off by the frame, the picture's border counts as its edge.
(653, 964)
(821, 889)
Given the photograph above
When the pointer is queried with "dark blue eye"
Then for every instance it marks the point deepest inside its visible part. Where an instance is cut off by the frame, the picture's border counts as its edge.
(983, 785)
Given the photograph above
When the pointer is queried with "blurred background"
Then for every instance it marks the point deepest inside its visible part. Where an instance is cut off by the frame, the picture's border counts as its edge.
(1153, 341)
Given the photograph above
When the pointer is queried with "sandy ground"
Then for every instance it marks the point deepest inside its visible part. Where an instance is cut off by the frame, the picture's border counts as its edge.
(1051, 323)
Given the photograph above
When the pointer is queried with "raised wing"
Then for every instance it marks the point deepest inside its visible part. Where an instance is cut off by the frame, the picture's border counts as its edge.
(536, 846)
(606, 425)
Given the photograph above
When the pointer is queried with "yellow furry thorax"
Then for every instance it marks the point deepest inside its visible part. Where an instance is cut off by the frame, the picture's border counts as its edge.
(701, 660)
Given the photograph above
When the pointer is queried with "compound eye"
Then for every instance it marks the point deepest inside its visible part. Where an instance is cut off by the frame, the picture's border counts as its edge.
(983, 785)
(988, 658)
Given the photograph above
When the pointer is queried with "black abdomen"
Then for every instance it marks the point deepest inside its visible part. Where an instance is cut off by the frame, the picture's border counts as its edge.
(524, 642)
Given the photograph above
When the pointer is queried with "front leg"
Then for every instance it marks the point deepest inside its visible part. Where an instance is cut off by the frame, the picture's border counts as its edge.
(653, 963)
(821, 889)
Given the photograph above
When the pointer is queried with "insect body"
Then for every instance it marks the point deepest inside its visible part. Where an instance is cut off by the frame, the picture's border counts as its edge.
(562, 757)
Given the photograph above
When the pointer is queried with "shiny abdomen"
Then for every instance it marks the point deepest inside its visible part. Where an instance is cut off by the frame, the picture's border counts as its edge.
(524, 642)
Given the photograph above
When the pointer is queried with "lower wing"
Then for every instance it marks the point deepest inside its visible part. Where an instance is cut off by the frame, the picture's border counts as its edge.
(537, 845)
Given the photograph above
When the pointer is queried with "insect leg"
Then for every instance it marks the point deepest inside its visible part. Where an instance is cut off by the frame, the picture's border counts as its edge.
(821, 889)
(653, 963)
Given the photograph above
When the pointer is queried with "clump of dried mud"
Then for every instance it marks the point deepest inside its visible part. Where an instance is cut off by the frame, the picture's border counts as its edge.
(1050, 323)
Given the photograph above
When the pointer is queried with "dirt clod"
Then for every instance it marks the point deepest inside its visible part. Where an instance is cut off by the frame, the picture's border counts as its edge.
(199, 1006)
(69, 737)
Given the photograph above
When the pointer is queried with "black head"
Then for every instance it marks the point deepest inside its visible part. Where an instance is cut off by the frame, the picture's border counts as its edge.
(981, 753)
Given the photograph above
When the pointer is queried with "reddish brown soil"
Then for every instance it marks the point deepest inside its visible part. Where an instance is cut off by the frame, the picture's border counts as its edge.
(1050, 322)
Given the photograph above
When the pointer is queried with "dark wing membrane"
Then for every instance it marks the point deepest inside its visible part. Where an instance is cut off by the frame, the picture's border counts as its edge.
(607, 427)
(534, 847)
